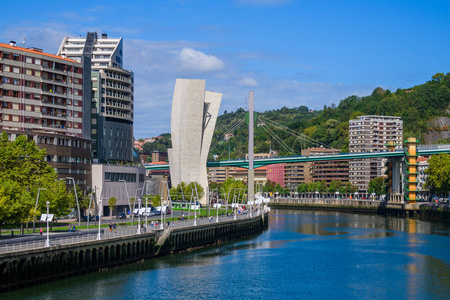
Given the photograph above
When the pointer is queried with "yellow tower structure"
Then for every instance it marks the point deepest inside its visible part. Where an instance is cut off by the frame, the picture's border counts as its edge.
(411, 170)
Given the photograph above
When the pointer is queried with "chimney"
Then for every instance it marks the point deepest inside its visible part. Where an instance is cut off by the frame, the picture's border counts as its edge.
(12, 43)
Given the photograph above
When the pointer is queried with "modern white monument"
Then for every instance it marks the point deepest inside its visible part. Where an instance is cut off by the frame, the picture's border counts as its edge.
(194, 115)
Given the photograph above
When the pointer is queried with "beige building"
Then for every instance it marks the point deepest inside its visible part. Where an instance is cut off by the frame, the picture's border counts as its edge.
(219, 174)
(42, 96)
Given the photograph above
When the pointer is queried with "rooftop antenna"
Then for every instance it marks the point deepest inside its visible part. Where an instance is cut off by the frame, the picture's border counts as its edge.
(24, 38)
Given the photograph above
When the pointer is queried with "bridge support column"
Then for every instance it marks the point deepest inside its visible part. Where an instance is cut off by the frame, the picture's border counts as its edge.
(411, 170)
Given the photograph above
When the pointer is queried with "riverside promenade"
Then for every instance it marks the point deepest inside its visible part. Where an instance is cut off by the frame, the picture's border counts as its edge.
(28, 262)
(349, 205)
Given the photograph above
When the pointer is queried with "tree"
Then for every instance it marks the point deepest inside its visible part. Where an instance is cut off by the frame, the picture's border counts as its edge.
(377, 185)
(112, 204)
(334, 186)
(438, 179)
(23, 170)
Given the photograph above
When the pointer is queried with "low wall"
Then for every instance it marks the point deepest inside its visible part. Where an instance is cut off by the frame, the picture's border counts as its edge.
(349, 205)
(28, 267)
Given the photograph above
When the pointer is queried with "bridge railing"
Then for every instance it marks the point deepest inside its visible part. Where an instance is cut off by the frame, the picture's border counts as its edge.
(433, 147)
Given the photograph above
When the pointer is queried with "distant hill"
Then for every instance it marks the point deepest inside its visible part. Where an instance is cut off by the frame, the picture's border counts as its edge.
(424, 109)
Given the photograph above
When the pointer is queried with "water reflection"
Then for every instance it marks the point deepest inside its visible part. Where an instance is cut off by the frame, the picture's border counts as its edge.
(314, 219)
(303, 254)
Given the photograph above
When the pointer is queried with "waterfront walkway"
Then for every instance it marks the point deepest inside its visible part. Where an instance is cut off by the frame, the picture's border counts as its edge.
(36, 241)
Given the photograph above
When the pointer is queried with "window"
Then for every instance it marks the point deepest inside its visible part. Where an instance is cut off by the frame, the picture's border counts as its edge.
(29, 60)
(37, 61)
(16, 70)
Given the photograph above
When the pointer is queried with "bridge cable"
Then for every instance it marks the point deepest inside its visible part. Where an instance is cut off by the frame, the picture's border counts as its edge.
(294, 133)
(279, 140)
(229, 130)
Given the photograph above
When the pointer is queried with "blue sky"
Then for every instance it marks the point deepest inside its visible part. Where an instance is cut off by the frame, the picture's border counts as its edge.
(290, 53)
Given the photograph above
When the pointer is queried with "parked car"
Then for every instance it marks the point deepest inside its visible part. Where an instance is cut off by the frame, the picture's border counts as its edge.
(84, 219)
(121, 216)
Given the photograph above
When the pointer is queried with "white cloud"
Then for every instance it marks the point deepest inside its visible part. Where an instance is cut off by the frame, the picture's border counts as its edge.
(248, 81)
(196, 60)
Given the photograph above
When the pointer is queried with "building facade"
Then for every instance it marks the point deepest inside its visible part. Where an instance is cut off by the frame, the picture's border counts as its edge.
(42, 96)
(112, 94)
(371, 134)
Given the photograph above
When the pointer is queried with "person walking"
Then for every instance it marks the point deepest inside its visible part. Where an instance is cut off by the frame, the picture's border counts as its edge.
(40, 231)
(110, 227)
(114, 226)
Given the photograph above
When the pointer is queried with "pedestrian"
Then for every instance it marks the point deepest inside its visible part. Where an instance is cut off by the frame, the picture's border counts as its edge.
(182, 216)
(151, 224)
(114, 225)
(40, 231)
(73, 228)
(110, 227)
(70, 228)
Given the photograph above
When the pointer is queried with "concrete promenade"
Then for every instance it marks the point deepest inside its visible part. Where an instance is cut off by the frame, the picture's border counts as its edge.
(30, 263)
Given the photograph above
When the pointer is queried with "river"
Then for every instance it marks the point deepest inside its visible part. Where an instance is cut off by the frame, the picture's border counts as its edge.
(303, 254)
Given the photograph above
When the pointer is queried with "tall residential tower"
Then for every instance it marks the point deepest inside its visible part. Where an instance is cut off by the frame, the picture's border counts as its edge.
(112, 94)
(371, 134)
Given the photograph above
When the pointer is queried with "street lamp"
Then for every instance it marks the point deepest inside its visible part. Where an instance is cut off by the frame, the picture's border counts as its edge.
(317, 194)
(35, 208)
(132, 215)
(139, 217)
(373, 196)
(146, 212)
(356, 195)
(195, 211)
(337, 194)
(128, 197)
(76, 197)
(47, 242)
(99, 235)
(235, 207)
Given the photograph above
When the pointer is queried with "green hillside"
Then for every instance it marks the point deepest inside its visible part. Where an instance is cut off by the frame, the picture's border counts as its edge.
(416, 106)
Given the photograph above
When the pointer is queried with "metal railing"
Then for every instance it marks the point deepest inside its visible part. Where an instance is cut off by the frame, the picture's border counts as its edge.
(55, 240)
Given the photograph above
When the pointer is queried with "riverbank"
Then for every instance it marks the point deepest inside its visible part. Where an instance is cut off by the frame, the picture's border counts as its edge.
(423, 211)
(43, 264)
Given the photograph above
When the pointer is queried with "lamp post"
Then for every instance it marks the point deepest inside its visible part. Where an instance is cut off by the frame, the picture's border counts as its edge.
(337, 194)
(195, 211)
(47, 242)
(146, 213)
(317, 194)
(35, 208)
(217, 205)
(139, 217)
(76, 197)
(99, 235)
(235, 207)
(356, 195)
(134, 201)
(128, 197)
(373, 196)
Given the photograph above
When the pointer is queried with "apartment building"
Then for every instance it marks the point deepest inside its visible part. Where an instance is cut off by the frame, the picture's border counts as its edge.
(112, 94)
(43, 96)
(327, 171)
(370, 134)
